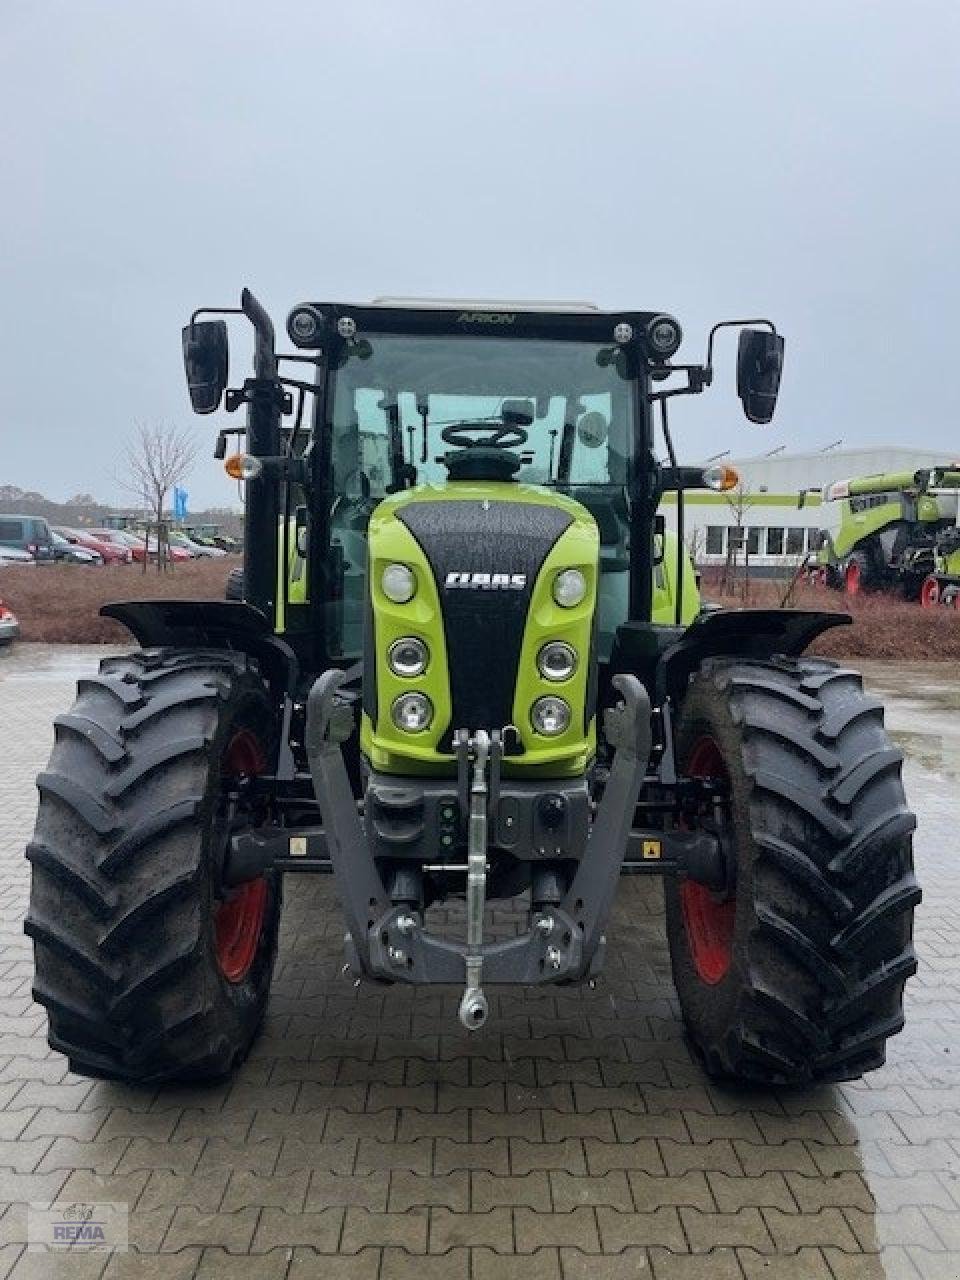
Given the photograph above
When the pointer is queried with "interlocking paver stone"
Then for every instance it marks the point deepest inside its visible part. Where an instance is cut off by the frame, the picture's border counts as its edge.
(203, 1191)
(719, 1264)
(658, 1226)
(568, 1190)
(365, 1190)
(451, 1190)
(282, 1191)
(632, 1264)
(448, 1230)
(407, 1230)
(307, 1265)
(399, 1265)
(275, 1228)
(190, 1226)
(805, 1264)
(567, 1154)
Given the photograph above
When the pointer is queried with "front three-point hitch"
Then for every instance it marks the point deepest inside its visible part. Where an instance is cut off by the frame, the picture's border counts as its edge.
(386, 936)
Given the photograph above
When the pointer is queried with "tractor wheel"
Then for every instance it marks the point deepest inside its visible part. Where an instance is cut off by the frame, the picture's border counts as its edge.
(930, 592)
(149, 968)
(857, 576)
(797, 973)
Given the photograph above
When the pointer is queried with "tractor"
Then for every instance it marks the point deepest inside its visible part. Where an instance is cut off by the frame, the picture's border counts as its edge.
(470, 665)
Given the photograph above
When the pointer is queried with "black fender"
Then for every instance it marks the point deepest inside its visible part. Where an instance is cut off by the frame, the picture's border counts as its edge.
(739, 633)
(213, 624)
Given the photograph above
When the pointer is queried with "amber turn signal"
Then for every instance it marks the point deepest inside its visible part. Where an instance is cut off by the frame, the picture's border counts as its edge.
(242, 466)
(721, 478)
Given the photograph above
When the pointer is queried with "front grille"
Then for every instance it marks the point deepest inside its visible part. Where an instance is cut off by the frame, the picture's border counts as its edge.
(484, 627)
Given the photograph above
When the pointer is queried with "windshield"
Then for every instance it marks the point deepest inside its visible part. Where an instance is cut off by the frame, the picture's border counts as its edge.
(397, 392)
(394, 394)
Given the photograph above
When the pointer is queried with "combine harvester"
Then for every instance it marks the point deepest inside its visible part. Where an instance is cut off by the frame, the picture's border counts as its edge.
(897, 532)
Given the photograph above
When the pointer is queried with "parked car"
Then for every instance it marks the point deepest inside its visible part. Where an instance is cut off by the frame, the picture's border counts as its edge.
(177, 554)
(13, 555)
(209, 535)
(70, 553)
(121, 538)
(9, 624)
(141, 548)
(195, 548)
(27, 533)
(110, 551)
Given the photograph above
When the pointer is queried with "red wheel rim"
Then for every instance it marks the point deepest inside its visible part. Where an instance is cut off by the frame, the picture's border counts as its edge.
(238, 918)
(853, 579)
(709, 924)
(929, 593)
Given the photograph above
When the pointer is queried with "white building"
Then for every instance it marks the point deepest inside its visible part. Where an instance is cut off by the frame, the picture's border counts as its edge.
(777, 530)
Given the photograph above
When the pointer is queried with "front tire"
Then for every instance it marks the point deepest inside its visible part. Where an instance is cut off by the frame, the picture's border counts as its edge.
(858, 574)
(930, 592)
(798, 974)
(149, 969)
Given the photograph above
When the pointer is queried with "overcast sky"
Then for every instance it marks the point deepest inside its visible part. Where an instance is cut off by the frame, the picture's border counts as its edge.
(709, 159)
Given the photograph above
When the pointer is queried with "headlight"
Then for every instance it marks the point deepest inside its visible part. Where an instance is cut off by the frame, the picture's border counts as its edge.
(550, 716)
(412, 712)
(664, 336)
(398, 583)
(569, 588)
(557, 661)
(408, 657)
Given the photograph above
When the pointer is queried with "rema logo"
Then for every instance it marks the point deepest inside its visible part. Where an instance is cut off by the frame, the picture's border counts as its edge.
(457, 581)
(486, 317)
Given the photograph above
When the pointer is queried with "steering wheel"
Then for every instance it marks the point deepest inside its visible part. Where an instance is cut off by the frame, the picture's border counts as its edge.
(468, 435)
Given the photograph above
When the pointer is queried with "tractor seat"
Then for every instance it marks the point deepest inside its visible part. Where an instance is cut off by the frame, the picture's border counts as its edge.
(481, 463)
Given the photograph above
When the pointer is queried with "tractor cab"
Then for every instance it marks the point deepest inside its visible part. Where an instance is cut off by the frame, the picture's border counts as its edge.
(427, 395)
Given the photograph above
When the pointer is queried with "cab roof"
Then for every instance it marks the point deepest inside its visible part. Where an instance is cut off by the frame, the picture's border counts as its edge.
(468, 317)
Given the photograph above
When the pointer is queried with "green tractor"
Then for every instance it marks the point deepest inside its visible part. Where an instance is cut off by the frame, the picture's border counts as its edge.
(470, 663)
(884, 533)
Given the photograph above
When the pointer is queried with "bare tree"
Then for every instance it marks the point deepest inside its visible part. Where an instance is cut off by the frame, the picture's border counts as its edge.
(155, 460)
(740, 502)
(697, 546)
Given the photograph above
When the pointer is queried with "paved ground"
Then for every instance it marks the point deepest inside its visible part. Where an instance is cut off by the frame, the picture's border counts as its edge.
(367, 1140)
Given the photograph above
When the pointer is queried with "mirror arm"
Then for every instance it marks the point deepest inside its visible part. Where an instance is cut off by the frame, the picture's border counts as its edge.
(214, 311)
(252, 387)
(317, 360)
(220, 449)
(283, 468)
(730, 324)
(698, 378)
(301, 386)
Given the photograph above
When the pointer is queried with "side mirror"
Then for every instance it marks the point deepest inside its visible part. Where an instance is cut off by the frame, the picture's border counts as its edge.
(206, 360)
(759, 364)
